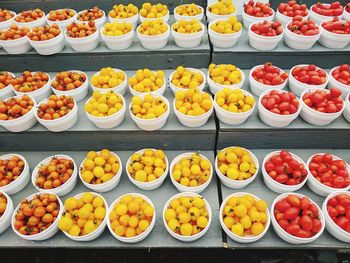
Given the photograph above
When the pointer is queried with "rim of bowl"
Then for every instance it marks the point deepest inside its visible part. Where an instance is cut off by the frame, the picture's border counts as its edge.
(109, 116)
(335, 80)
(10, 155)
(75, 108)
(8, 200)
(32, 109)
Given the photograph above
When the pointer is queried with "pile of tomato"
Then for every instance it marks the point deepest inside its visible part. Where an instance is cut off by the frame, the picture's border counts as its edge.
(268, 74)
(323, 101)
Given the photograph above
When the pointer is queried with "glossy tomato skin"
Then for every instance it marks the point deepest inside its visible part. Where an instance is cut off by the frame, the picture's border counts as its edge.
(280, 102)
(267, 28)
(309, 75)
(338, 208)
(337, 26)
(303, 27)
(292, 9)
(258, 9)
(334, 9)
(322, 101)
(342, 74)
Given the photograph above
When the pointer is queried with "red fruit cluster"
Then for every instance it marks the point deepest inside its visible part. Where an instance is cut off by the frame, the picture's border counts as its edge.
(292, 9)
(267, 28)
(298, 216)
(43, 33)
(61, 14)
(10, 170)
(337, 26)
(90, 14)
(322, 101)
(338, 208)
(342, 74)
(56, 107)
(329, 171)
(14, 32)
(80, 30)
(258, 9)
(334, 9)
(14, 108)
(283, 103)
(29, 16)
(284, 169)
(5, 79)
(347, 7)
(269, 75)
(305, 28)
(30, 81)
(310, 75)
(5, 15)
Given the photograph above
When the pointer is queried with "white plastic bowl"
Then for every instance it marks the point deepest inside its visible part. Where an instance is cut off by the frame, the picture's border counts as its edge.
(211, 17)
(216, 87)
(62, 189)
(98, 22)
(237, 184)
(273, 119)
(165, 18)
(60, 124)
(148, 185)
(298, 87)
(107, 186)
(62, 24)
(346, 15)
(176, 89)
(85, 43)
(48, 47)
(7, 91)
(263, 42)
(151, 124)
(287, 19)
(97, 232)
(109, 122)
(46, 234)
(331, 226)
(22, 123)
(223, 40)
(18, 184)
(132, 20)
(188, 40)
(276, 186)
(120, 89)
(315, 117)
(159, 91)
(193, 237)
(300, 42)
(333, 83)
(319, 188)
(78, 93)
(288, 237)
(239, 239)
(258, 88)
(39, 22)
(118, 42)
(333, 40)
(16, 46)
(232, 118)
(144, 234)
(154, 42)
(346, 111)
(5, 219)
(193, 121)
(198, 17)
(181, 188)
(320, 18)
(6, 24)
(248, 20)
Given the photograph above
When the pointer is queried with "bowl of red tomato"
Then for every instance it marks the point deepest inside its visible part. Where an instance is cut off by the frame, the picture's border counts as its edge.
(346, 111)
(278, 108)
(287, 11)
(328, 173)
(335, 33)
(336, 209)
(265, 35)
(320, 106)
(284, 171)
(256, 12)
(339, 77)
(321, 11)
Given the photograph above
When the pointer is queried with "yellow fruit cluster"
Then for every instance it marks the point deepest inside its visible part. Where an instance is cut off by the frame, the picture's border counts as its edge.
(153, 27)
(148, 107)
(107, 78)
(187, 215)
(147, 166)
(188, 10)
(82, 215)
(192, 171)
(187, 26)
(123, 11)
(99, 168)
(225, 74)
(131, 216)
(186, 79)
(153, 11)
(245, 216)
(102, 105)
(236, 163)
(234, 100)
(193, 102)
(146, 80)
(116, 29)
(229, 26)
(222, 7)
